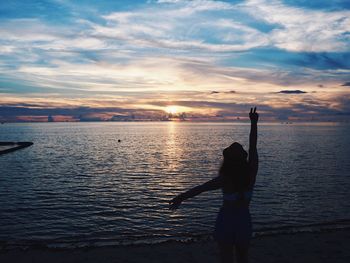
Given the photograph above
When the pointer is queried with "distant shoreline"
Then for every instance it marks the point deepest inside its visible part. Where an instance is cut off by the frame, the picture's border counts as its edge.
(189, 121)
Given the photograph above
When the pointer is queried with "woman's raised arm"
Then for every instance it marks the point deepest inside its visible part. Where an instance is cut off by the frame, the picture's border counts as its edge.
(253, 152)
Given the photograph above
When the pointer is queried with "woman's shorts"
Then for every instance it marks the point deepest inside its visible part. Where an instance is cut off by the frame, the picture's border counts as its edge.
(233, 226)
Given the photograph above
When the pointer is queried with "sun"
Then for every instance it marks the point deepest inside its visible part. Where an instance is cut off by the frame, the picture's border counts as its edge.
(171, 109)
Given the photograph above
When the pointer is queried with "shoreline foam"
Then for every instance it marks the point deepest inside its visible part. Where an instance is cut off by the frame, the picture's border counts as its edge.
(343, 224)
(326, 246)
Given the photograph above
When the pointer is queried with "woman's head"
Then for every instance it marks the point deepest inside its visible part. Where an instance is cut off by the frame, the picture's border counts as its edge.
(235, 168)
(235, 153)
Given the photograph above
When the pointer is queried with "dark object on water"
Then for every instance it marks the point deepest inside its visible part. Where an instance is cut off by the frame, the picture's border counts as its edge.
(7, 147)
(119, 140)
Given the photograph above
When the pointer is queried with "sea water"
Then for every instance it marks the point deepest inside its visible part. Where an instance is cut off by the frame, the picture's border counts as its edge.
(79, 186)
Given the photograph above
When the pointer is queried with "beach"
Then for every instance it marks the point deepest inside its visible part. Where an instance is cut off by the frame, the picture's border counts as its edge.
(329, 246)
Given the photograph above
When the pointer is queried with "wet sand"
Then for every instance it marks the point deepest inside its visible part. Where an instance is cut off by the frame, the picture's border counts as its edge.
(332, 246)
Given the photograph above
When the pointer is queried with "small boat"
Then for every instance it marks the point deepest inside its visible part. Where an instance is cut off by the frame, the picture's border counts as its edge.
(7, 147)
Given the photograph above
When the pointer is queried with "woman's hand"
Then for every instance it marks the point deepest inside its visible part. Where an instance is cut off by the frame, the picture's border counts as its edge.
(253, 115)
(176, 202)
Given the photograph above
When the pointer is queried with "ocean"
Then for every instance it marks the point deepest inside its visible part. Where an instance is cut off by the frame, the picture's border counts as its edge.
(79, 186)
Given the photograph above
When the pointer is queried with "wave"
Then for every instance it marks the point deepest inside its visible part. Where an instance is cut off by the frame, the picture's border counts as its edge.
(159, 239)
(316, 227)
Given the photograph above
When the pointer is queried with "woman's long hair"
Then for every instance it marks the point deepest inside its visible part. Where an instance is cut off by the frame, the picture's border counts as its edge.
(235, 169)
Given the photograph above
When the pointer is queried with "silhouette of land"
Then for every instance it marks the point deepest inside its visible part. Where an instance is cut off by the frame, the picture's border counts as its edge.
(7, 147)
(331, 246)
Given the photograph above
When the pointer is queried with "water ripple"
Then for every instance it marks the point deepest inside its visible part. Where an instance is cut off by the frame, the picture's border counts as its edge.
(77, 183)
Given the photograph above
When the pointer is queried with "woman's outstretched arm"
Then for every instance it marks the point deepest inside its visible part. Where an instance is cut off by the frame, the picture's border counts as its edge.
(253, 152)
(213, 184)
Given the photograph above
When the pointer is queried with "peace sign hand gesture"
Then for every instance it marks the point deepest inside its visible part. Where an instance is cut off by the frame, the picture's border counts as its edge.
(253, 115)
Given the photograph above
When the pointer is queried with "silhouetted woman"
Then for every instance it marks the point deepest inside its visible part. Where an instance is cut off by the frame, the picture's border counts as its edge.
(233, 228)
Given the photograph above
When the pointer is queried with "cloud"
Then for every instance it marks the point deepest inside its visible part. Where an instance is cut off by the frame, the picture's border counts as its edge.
(25, 113)
(193, 29)
(272, 57)
(292, 91)
(320, 5)
(190, 26)
(300, 29)
(199, 105)
(347, 84)
(223, 92)
(209, 52)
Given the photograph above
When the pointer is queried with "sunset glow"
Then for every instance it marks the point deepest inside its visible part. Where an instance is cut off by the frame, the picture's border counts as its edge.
(210, 59)
(171, 109)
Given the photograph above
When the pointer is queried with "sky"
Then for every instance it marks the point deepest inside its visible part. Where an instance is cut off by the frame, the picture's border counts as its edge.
(155, 59)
